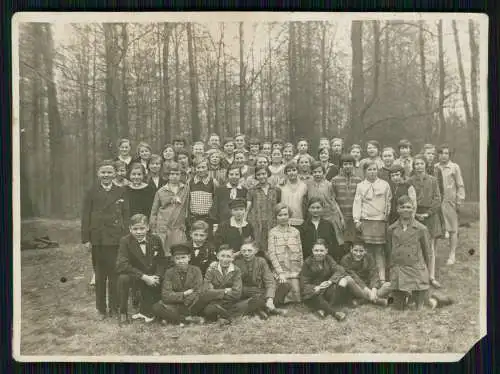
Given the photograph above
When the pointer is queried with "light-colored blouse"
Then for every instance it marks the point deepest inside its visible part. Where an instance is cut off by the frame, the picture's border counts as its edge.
(372, 201)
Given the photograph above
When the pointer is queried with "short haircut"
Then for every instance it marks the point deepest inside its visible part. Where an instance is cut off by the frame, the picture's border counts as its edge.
(241, 135)
(143, 145)
(346, 158)
(119, 164)
(355, 146)
(323, 149)
(212, 135)
(300, 157)
(374, 143)
(233, 167)
(316, 164)
(180, 140)
(237, 151)
(302, 139)
(336, 140)
(279, 207)
(321, 241)
(289, 145)
(224, 247)
(166, 146)
(389, 149)
(183, 152)
(123, 140)
(199, 142)
(428, 146)
(251, 241)
(442, 147)
(170, 167)
(155, 157)
(277, 141)
(254, 141)
(261, 155)
(404, 143)
(290, 165)
(405, 199)
(421, 158)
(227, 140)
(134, 166)
(104, 163)
(314, 200)
(200, 161)
(259, 168)
(138, 218)
(369, 163)
(200, 226)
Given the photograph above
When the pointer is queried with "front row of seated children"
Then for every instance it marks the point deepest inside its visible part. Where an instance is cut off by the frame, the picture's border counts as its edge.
(198, 282)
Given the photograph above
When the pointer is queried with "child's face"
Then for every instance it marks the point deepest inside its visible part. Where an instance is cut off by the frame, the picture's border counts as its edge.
(155, 166)
(278, 146)
(198, 149)
(214, 159)
(136, 176)
(238, 213)
(240, 142)
(405, 210)
(266, 148)
(288, 153)
(225, 258)
(315, 209)
(106, 174)
(251, 159)
(183, 160)
(261, 176)
(324, 143)
(283, 217)
(404, 151)
(356, 153)
(324, 156)
(319, 252)
(318, 174)
(254, 148)
(292, 173)
(302, 146)
(371, 172)
(229, 148)
(178, 146)
(139, 230)
(337, 146)
(388, 158)
(358, 252)
(239, 159)
(168, 153)
(214, 141)
(202, 169)
(396, 177)
(182, 261)
(304, 164)
(276, 156)
(121, 172)
(444, 155)
(248, 251)
(144, 153)
(262, 162)
(372, 150)
(419, 165)
(429, 155)
(124, 148)
(199, 237)
(174, 177)
(233, 176)
(348, 167)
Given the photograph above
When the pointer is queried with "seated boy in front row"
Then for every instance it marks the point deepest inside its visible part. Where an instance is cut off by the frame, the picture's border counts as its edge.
(140, 257)
(181, 288)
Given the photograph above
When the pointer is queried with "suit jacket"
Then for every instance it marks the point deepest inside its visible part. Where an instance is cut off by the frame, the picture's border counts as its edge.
(363, 272)
(309, 234)
(215, 283)
(227, 234)
(314, 273)
(205, 257)
(256, 274)
(105, 215)
(175, 282)
(132, 261)
(161, 183)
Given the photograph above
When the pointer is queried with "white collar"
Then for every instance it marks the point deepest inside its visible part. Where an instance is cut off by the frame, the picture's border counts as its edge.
(232, 223)
(107, 188)
(238, 186)
(229, 269)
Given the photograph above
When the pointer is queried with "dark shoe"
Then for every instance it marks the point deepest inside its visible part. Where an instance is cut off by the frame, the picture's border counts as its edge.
(339, 316)
(123, 319)
(262, 315)
(321, 314)
(442, 300)
(222, 312)
(278, 312)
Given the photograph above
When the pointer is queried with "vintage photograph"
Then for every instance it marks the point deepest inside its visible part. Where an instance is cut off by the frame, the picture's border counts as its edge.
(249, 186)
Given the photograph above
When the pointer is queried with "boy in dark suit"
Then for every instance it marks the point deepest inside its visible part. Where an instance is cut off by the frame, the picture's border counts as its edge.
(180, 289)
(104, 221)
(203, 253)
(234, 230)
(141, 258)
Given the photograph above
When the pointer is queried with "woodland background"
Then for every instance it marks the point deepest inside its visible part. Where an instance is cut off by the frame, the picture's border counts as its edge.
(83, 86)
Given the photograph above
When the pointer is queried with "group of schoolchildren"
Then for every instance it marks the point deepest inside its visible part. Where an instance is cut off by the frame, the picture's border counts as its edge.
(246, 227)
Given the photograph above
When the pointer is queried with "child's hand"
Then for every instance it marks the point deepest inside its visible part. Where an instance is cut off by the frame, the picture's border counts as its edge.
(343, 282)
(87, 246)
(282, 278)
(317, 289)
(227, 290)
(151, 280)
(325, 284)
(188, 292)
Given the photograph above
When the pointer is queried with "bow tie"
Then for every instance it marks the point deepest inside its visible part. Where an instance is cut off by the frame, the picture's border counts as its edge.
(142, 242)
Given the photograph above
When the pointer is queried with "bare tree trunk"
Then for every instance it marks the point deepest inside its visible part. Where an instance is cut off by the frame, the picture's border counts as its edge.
(270, 85)
(421, 42)
(124, 126)
(219, 126)
(177, 88)
(36, 118)
(195, 120)
(226, 100)
(94, 126)
(387, 42)
(167, 131)
(242, 80)
(475, 123)
(358, 83)
(324, 72)
(442, 122)
(84, 113)
(461, 73)
(111, 99)
(292, 69)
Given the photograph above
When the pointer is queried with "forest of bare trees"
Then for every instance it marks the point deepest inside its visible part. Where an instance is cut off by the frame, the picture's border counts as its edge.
(83, 89)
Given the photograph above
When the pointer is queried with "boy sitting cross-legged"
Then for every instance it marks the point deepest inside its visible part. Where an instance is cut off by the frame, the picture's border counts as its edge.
(260, 292)
(181, 288)
(140, 257)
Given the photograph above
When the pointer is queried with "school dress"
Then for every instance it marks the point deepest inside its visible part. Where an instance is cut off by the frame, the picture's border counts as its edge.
(261, 214)
(224, 193)
(201, 199)
(428, 201)
(134, 260)
(453, 194)
(174, 306)
(285, 253)
(233, 233)
(202, 256)
(104, 221)
(141, 199)
(156, 182)
(364, 272)
(277, 175)
(293, 195)
(331, 211)
(409, 256)
(344, 188)
(309, 233)
(168, 216)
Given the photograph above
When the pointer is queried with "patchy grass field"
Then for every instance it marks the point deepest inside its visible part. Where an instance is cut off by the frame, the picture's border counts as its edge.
(58, 318)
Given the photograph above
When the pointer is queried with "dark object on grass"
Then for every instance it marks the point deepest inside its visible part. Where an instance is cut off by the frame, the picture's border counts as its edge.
(41, 242)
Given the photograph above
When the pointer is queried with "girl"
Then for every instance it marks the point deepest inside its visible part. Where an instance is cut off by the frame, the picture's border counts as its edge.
(277, 144)
(224, 193)
(428, 206)
(294, 194)
(198, 151)
(228, 147)
(121, 174)
(140, 194)
(304, 168)
(214, 141)
(388, 157)
(240, 162)
(285, 252)
(409, 245)
(316, 227)
(143, 155)
(267, 146)
(399, 187)
(337, 145)
(405, 159)
(355, 152)
(182, 158)
(324, 143)
(331, 170)
(124, 151)
(240, 142)
(168, 155)
(320, 188)
(261, 201)
(288, 152)
(372, 149)
(169, 211)
(155, 176)
(276, 168)
(302, 149)
(261, 161)
(370, 211)
(215, 168)
(254, 146)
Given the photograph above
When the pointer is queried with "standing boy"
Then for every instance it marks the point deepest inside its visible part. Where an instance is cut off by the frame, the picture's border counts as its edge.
(202, 252)
(104, 222)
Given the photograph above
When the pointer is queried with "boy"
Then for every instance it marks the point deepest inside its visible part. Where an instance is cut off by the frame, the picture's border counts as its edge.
(202, 252)
(214, 141)
(201, 194)
(302, 149)
(236, 229)
(267, 147)
(362, 268)
(260, 292)
(324, 143)
(405, 159)
(399, 187)
(254, 145)
(141, 259)
(180, 288)
(228, 147)
(225, 193)
(337, 145)
(104, 221)
(221, 288)
(179, 143)
(277, 144)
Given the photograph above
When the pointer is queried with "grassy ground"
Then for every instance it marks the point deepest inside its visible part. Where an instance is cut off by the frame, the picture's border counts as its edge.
(58, 318)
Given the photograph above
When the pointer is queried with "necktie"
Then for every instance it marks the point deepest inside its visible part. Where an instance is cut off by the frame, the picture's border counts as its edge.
(232, 194)
(142, 244)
